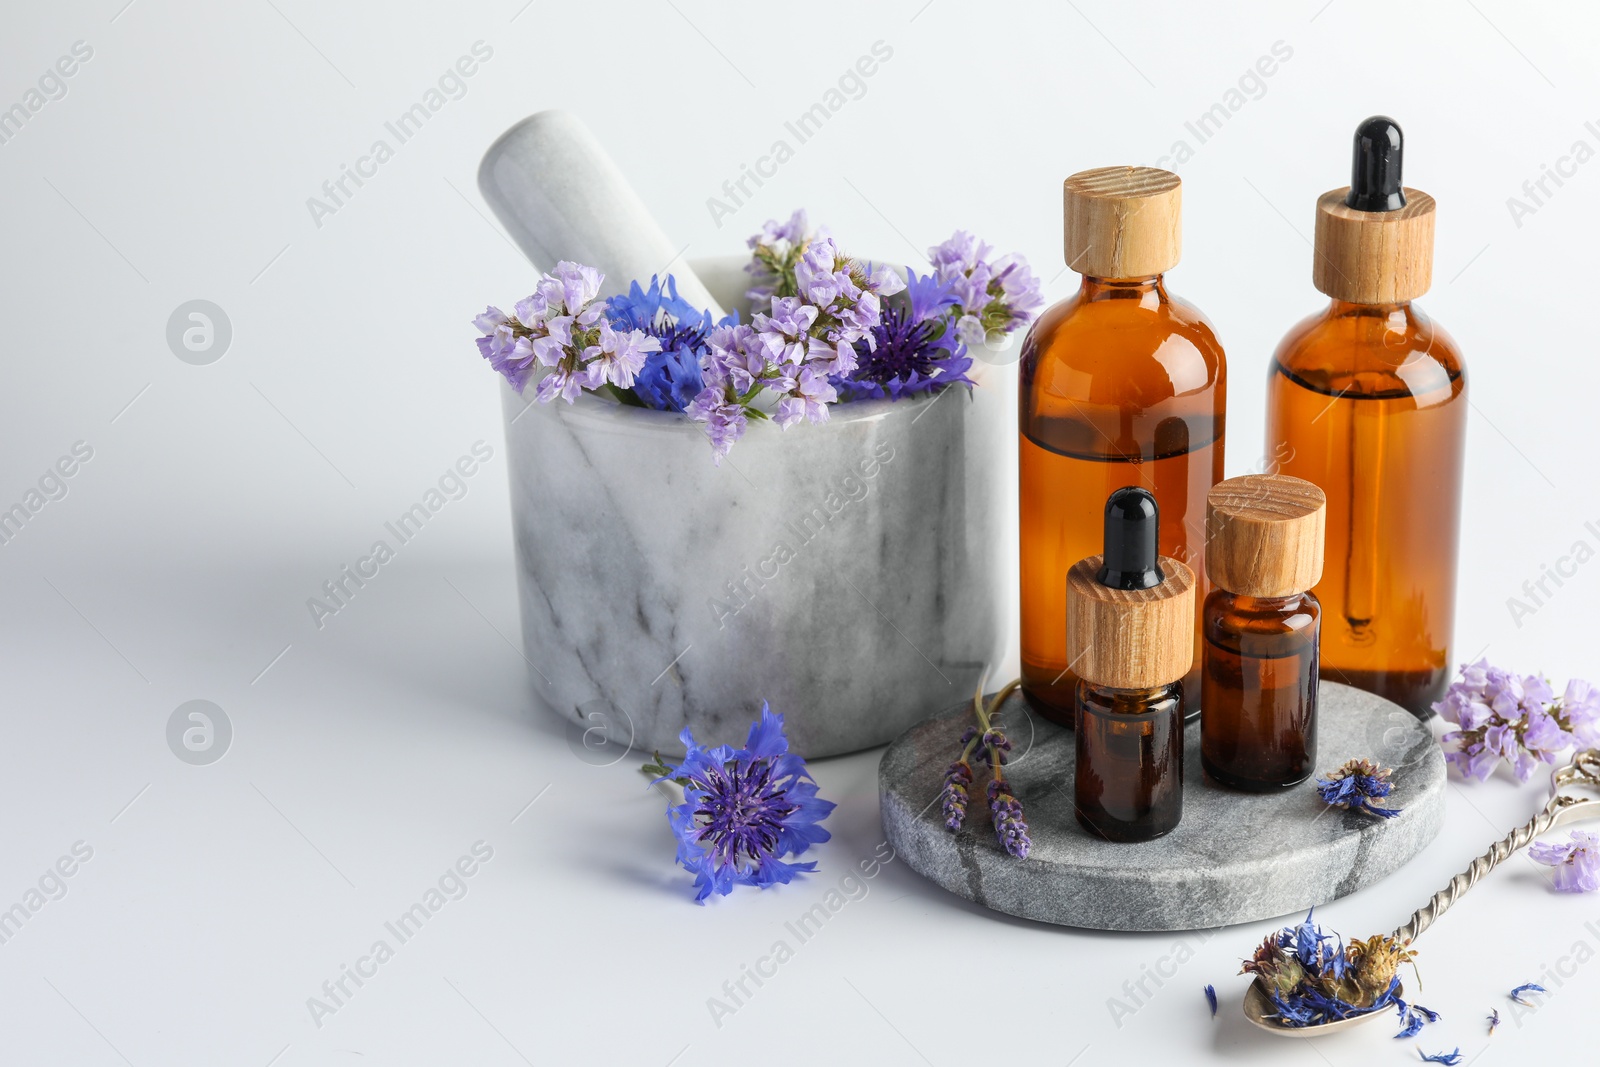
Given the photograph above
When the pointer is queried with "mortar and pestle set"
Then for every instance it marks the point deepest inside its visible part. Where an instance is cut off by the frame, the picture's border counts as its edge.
(846, 573)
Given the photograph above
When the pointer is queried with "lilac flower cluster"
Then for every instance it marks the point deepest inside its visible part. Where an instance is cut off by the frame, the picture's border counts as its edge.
(1312, 977)
(774, 252)
(744, 810)
(794, 350)
(829, 330)
(986, 740)
(1515, 718)
(1576, 861)
(562, 327)
(1356, 786)
(991, 299)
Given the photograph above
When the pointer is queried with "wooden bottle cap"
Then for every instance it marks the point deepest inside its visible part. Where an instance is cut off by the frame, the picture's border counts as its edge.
(1123, 222)
(1130, 638)
(1373, 257)
(1264, 535)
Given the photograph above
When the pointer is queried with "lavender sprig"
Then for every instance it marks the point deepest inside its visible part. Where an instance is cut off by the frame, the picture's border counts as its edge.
(1500, 715)
(987, 740)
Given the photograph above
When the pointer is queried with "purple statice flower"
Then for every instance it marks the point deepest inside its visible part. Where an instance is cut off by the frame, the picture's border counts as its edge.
(562, 327)
(1527, 987)
(913, 349)
(1357, 785)
(992, 298)
(1576, 861)
(1009, 828)
(773, 255)
(1413, 1017)
(1449, 1059)
(847, 293)
(1211, 999)
(670, 377)
(745, 810)
(1516, 718)
(953, 797)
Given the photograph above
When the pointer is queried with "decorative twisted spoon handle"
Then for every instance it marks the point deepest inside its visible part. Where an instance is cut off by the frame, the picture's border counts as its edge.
(1584, 770)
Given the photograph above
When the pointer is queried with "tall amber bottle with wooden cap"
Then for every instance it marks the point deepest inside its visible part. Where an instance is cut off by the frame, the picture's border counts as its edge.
(1367, 399)
(1130, 630)
(1121, 384)
(1259, 632)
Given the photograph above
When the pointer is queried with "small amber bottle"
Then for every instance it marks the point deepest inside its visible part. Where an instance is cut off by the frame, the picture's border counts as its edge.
(1121, 384)
(1367, 399)
(1260, 627)
(1130, 628)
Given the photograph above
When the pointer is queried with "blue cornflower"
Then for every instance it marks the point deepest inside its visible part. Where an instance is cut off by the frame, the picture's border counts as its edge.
(913, 349)
(1529, 987)
(1449, 1059)
(745, 810)
(670, 378)
(1211, 999)
(1494, 1020)
(1356, 785)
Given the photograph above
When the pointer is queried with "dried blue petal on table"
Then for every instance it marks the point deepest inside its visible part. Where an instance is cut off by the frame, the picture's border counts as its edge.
(1211, 999)
(1529, 987)
(1449, 1059)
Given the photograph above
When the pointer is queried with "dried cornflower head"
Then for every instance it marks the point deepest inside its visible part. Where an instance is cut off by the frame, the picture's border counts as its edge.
(1356, 785)
(1312, 977)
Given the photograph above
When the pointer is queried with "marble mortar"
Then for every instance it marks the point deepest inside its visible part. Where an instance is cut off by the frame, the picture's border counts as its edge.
(850, 573)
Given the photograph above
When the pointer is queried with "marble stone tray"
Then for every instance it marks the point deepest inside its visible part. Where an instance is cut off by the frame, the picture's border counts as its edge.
(1235, 858)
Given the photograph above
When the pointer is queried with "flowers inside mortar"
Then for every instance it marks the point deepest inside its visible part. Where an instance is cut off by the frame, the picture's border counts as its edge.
(831, 328)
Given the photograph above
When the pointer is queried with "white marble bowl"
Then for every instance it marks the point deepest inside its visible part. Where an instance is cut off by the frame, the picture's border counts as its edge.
(848, 573)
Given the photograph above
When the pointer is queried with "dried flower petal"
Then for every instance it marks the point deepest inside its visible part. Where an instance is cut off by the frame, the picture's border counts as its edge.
(1211, 999)
(1527, 987)
(1449, 1059)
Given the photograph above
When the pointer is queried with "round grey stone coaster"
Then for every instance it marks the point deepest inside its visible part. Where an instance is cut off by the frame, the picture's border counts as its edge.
(1236, 857)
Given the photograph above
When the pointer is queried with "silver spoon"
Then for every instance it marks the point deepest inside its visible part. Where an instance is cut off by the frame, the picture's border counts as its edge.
(1561, 809)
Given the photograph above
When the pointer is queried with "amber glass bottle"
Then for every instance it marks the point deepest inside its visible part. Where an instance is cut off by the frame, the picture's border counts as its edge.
(1260, 634)
(1121, 384)
(1367, 400)
(1130, 626)
(1129, 766)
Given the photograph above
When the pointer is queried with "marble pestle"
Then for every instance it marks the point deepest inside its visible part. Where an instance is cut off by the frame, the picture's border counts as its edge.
(552, 185)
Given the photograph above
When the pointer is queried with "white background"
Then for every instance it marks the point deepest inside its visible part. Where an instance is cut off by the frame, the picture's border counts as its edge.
(369, 755)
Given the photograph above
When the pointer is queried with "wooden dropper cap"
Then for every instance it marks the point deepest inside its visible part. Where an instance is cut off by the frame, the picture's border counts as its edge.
(1264, 535)
(1130, 611)
(1123, 222)
(1374, 241)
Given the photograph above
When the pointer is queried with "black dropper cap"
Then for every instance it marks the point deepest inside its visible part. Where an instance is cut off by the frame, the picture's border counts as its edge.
(1131, 552)
(1375, 171)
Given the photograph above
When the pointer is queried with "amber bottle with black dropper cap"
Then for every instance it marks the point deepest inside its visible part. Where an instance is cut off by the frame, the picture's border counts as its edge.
(1120, 384)
(1130, 630)
(1367, 400)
